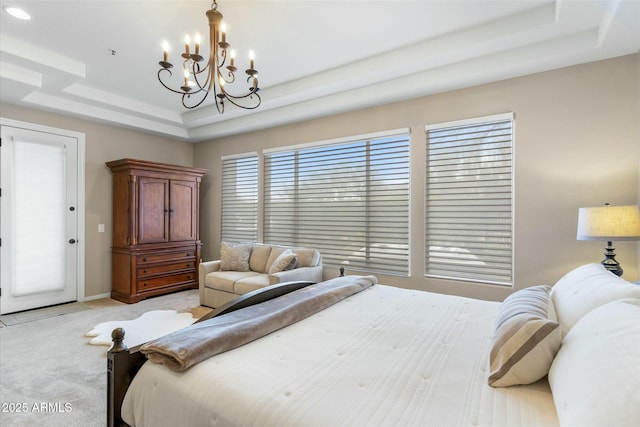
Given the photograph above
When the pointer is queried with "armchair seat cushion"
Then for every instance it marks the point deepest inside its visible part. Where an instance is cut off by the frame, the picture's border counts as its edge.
(219, 285)
(226, 280)
(250, 284)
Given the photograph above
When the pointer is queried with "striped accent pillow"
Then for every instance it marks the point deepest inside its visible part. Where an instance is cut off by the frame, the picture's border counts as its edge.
(526, 339)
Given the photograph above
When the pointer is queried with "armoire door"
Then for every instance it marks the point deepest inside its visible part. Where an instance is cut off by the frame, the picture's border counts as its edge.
(153, 210)
(183, 221)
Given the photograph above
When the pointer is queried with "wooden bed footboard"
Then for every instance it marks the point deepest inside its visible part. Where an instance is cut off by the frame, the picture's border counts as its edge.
(123, 363)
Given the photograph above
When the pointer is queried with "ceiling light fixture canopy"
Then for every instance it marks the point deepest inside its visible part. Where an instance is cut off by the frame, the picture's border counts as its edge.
(213, 75)
(16, 12)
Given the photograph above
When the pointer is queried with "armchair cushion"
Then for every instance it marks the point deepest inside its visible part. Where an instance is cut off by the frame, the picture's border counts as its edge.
(226, 280)
(307, 257)
(259, 257)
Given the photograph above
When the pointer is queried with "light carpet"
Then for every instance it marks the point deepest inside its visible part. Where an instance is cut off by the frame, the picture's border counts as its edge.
(42, 313)
(49, 374)
(149, 326)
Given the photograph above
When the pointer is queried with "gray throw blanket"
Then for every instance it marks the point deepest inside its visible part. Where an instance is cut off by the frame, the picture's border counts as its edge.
(184, 348)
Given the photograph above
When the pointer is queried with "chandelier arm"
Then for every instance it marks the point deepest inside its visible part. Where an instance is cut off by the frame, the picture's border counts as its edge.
(231, 77)
(207, 81)
(232, 99)
(180, 92)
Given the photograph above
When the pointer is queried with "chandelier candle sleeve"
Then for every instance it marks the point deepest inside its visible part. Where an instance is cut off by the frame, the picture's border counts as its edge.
(212, 75)
(198, 40)
(165, 48)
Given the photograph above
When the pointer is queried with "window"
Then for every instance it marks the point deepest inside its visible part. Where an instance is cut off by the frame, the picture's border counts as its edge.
(349, 199)
(240, 198)
(469, 203)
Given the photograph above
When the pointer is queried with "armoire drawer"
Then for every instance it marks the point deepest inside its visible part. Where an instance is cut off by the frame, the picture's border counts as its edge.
(162, 281)
(186, 254)
(184, 266)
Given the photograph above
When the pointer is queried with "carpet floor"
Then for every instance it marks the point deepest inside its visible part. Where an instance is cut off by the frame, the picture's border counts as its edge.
(49, 373)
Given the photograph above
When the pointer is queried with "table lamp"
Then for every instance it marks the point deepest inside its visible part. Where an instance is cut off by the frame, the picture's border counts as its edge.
(609, 223)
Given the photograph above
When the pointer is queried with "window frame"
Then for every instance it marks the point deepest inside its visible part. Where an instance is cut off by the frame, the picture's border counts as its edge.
(502, 117)
(369, 267)
(225, 233)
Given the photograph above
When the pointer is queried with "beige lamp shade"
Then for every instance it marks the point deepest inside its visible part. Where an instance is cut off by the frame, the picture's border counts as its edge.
(609, 223)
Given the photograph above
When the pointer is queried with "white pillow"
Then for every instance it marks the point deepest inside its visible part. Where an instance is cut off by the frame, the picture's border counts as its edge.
(595, 377)
(586, 288)
(526, 339)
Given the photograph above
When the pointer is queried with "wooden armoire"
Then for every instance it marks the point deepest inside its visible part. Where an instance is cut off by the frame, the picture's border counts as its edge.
(156, 239)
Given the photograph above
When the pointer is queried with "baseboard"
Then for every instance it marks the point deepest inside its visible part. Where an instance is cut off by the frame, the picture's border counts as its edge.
(99, 296)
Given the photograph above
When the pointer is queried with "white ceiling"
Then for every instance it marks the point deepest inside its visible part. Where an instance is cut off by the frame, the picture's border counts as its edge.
(315, 58)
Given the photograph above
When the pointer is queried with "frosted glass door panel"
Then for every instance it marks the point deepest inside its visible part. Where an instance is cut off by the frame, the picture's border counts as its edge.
(39, 218)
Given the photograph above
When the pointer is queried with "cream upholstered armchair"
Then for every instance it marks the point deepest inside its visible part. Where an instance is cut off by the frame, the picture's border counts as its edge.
(246, 267)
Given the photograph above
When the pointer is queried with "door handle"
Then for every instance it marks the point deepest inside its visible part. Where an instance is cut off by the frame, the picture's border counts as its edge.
(72, 241)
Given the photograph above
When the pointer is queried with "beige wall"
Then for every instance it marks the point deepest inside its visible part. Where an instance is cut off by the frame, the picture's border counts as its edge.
(103, 143)
(576, 144)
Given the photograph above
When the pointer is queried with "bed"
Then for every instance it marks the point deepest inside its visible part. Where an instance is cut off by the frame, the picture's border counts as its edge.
(389, 356)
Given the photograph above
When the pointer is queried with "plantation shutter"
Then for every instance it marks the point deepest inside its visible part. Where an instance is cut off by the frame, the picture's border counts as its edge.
(469, 203)
(240, 198)
(348, 199)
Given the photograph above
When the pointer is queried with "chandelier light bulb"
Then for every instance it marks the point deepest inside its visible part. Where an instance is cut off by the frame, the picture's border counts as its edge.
(252, 57)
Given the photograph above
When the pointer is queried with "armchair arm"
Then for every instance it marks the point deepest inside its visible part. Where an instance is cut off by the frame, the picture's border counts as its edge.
(311, 274)
(205, 268)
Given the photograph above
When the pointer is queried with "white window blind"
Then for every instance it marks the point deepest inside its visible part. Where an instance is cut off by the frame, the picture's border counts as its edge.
(240, 199)
(39, 217)
(469, 203)
(350, 200)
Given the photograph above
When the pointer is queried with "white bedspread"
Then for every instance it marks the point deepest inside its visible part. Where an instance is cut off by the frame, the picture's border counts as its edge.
(383, 357)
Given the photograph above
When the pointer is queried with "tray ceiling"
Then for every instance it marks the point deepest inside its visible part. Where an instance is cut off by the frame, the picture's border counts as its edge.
(98, 59)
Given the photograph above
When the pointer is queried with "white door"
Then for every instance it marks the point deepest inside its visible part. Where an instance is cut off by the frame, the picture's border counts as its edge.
(38, 219)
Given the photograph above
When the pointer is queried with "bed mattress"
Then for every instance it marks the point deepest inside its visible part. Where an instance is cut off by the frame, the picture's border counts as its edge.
(383, 357)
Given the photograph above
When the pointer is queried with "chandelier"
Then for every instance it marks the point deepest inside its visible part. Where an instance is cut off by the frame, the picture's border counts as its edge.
(200, 79)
